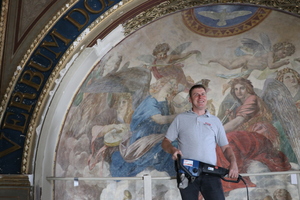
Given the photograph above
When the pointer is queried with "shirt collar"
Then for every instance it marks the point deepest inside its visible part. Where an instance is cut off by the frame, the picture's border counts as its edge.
(207, 113)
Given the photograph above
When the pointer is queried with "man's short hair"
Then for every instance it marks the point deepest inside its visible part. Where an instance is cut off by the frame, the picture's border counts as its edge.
(196, 86)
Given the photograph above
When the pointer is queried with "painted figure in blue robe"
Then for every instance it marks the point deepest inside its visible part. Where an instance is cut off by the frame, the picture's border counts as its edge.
(148, 126)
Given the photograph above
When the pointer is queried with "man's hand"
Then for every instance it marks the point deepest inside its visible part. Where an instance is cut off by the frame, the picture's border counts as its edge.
(233, 170)
(229, 155)
(176, 152)
(169, 148)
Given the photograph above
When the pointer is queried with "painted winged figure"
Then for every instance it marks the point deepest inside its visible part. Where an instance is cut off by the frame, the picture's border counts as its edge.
(285, 116)
(251, 133)
(256, 55)
(164, 64)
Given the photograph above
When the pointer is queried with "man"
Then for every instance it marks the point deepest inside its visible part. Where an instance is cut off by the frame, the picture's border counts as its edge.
(197, 133)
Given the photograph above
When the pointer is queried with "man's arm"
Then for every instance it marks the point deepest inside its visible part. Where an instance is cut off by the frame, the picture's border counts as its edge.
(229, 155)
(169, 148)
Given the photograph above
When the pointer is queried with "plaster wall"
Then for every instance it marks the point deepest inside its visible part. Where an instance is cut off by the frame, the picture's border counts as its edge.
(87, 85)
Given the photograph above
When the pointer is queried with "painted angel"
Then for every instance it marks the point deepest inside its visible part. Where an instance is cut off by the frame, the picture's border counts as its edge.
(285, 117)
(251, 133)
(254, 55)
(169, 65)
(291, 79)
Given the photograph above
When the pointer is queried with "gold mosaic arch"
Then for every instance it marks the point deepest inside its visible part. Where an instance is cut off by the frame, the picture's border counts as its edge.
(74, 48)
(143, 18)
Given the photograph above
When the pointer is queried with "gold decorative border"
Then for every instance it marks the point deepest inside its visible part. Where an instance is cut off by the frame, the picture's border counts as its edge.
(26, 166)
(171, 6)
(156, 12)
(29, 52)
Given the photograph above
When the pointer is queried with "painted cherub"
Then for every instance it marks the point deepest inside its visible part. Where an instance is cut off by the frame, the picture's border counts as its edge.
(169, 65)
(253, 55)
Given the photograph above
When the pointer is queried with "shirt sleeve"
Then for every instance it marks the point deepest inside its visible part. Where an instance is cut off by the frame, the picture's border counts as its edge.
(172, 132)
(221, 139)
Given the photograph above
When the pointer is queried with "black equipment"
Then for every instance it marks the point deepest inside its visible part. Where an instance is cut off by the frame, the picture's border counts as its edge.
(188, 170)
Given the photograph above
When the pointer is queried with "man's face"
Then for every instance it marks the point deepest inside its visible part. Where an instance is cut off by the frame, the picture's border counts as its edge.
(198, 98)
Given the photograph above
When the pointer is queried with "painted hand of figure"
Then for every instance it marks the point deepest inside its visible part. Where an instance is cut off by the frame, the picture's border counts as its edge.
(229, 113)
(286, 61)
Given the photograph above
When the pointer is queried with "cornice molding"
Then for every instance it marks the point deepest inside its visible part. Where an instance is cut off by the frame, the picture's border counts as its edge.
(172, 6)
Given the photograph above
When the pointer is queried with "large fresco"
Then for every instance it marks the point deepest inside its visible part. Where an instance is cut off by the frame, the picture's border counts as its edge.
(118, 119)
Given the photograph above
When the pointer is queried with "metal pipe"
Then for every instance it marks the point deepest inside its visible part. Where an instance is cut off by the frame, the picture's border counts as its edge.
(158, 177)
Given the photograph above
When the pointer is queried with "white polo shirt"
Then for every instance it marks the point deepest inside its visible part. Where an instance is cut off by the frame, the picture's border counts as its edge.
(198, 135)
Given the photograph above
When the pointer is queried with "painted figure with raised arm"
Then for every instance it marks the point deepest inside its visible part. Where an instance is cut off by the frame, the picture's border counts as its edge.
(251, 134)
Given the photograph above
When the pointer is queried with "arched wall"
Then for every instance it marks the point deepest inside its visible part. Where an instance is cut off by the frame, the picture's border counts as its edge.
(88, 147)
(65, 84)
(63, 95)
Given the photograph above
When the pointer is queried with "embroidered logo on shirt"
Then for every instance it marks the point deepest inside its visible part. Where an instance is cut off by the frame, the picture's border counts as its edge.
(206, 123)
